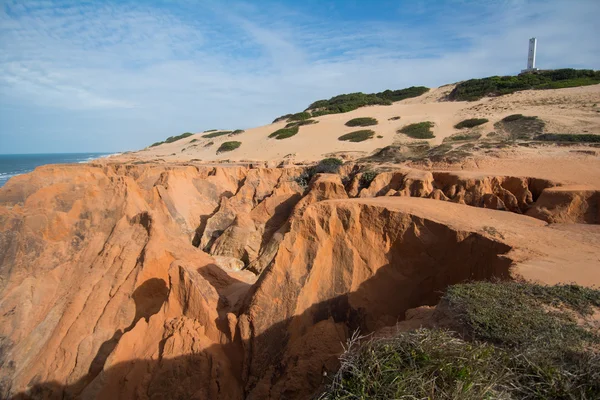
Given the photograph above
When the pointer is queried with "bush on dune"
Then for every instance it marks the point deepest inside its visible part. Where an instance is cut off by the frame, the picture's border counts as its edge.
(228, 146)
(216, 134)
(470, 123)
(420, 130)
(475, 89)
(357, 136)
(284, 133)
(363, 121)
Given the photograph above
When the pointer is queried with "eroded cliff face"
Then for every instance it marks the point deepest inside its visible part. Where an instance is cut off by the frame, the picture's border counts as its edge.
(182, 281)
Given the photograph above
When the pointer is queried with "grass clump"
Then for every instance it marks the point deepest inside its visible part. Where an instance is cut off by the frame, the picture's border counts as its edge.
(216, 134)
(329, 165)
(302, 123)
(463, 136)
(470, 123)
(172, 139)
(520, 341)
(366, 178)
(569, 138)
(421, 130)
(520, 127)
(475, 89)
(363, 121)
(301, 116)
(402, 94)
(284, 133)
(237, 132)
(210, 130)
(396, 118)
(357, 136)
(228, 146)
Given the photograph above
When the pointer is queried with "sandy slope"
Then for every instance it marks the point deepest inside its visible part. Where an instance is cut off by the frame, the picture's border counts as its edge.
(573, 110)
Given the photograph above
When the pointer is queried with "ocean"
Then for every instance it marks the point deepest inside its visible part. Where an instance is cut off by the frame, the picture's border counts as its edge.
(16, 164)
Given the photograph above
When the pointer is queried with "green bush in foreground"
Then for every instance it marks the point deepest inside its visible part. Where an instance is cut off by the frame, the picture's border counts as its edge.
(228, 146)
(569, 138)
(421, 130)
(357, 136)
(525, 342)
(284, 133)
(363, 121)
(470, 123)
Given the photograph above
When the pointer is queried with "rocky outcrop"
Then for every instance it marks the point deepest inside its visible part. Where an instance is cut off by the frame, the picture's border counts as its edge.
(140, 281)
(568, 204)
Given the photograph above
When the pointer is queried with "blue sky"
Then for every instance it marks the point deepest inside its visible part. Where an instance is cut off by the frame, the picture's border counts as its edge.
(115, 76)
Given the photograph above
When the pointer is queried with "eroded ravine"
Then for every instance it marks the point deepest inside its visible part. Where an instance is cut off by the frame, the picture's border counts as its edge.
(140, 281)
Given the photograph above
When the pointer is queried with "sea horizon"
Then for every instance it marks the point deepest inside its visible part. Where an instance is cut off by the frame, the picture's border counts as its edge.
(17, 164)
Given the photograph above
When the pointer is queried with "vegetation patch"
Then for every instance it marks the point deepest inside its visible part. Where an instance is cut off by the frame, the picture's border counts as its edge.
(282, 118)
(475, 89)
(301, 123)
(470, 123)
(463, 136)
(357, 136)
(366, 178)
(569, 138)
(520, 127)
(363, 121)
(301, 116)
(172, 139)
(237, 132)
(521, 341)
(284, 133)
(402, 94)
(421, 130)
(210, 130)
(209, 144)
(216, 134)
(327, 166)
(396, 118)
(228, 146)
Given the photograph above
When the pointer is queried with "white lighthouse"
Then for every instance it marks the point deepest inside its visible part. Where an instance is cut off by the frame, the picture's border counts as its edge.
(531, 56)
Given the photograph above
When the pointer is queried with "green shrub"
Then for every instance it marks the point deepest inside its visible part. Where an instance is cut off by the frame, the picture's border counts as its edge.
(228, 146)
(156, 144)
(516, 117)
(420, 130)
(193, 140)
(520, 127)
(357, 136)
(172, 139)
(302, 123)
(284, 133)
(470, 123)
(464, 136)
(301, 116)
(526, 341)
(366, 178)
(282, 118)
(396, 118)
(569, 138)
(216, 134)
(237, 132)
(363, 121)
(210, 130)
(209, 144)
(475, 89)
(402, 94)
(328, 165)
(379, 137)
(344, 103)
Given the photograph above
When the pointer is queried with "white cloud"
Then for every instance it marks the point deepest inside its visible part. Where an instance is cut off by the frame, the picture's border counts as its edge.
(155, 71)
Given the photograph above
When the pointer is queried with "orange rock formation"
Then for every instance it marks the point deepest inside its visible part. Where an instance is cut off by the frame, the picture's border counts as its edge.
(179, 281)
